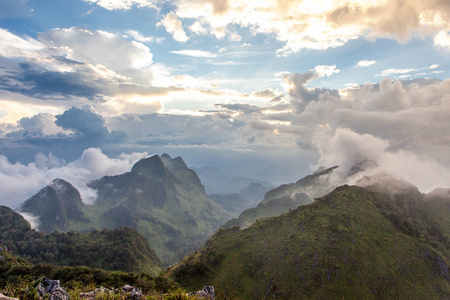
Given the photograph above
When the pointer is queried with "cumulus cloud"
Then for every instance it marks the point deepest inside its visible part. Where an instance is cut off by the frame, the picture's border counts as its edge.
(19, 182)
(442, 39)
(40, 125)
(84, 122)
(321, 24)
(299, 92)
(174, 26)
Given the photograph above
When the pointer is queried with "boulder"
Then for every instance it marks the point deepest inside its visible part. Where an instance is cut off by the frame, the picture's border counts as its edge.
(135, 293)
(206, 293)
(51, 287)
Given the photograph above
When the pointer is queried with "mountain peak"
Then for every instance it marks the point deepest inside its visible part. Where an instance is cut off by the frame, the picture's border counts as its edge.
(386, 183)
(55, 204)
(166, 156)
(151, 166)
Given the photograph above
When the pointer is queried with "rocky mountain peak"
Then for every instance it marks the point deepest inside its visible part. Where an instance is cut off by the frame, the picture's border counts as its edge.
(151, 166)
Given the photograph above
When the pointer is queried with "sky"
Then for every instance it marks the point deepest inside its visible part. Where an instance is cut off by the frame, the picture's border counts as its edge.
(88, 87)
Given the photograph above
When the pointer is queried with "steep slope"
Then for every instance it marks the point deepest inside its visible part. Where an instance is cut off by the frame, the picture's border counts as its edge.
(120, 249)
(350, 244)
(162, 199)
(56, 205)
(284, 198)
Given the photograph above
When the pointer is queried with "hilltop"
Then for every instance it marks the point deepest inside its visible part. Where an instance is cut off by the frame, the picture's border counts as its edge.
(353, 243)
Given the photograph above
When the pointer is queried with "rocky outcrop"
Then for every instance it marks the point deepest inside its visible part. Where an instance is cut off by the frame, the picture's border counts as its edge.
(51, 288)
(206, 293)
(135, 293)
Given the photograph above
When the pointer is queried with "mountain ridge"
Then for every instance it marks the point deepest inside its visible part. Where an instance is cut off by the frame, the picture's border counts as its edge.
(160, 197)
(351, 243)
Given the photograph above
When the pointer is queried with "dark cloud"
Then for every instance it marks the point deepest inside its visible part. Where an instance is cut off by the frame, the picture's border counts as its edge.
(85, 123)
(33, 81)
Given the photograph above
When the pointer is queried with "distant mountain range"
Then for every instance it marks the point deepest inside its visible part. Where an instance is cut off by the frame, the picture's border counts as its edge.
(160, 197)
(247, 197)
(285, 197)
(218, 182)
(384, 240)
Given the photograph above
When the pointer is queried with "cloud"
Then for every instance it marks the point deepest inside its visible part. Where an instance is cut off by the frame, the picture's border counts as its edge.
(389, 72)
(174, 27)
(321, 24)
(195, 53)
(39, 125)
(122, 4)
(13, 46)
(324, 70)
(360, 155)
(19, 182)
(300, 94)
(442, 39)
(365, 63)
(98, 48)
(143, 39)
(33, 220)
(83, 122)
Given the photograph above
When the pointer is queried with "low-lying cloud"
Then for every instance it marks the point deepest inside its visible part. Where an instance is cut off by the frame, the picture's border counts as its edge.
(18, 182)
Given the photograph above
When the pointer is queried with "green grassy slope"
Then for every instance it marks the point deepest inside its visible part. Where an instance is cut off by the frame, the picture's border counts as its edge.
(350, 244)
(120, 249)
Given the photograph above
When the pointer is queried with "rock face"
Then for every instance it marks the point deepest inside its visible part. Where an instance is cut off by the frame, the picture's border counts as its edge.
(51, 288)
(56, 205)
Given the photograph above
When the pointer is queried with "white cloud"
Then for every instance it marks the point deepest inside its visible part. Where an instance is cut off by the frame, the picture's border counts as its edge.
(198, 28)
(98, 48)
(195, 53)
(139, 37)
(12, 46)
(321, 24)
(123, 4)
(389, 72)
(442, 39)
(33, 220)
(174, 26)
(365, 63)
(324, 70)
